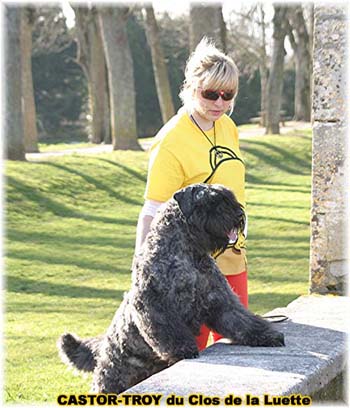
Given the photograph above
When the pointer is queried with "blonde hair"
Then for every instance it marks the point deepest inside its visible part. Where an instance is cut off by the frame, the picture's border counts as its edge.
(209, 68)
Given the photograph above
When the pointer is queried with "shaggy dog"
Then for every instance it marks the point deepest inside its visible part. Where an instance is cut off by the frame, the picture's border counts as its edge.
(176, 287)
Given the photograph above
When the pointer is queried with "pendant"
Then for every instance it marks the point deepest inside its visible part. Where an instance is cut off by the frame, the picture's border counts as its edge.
(218, 154)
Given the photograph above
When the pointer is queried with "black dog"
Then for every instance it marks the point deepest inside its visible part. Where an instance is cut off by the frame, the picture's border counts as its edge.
(176, 288)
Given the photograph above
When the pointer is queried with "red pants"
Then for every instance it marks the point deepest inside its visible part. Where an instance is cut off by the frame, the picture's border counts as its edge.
(239, 284)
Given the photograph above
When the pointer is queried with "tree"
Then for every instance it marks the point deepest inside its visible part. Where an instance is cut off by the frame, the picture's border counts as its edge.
(148, 115)
(28, 102)
(159, 66)
(60, 86)
(50, 34)
(207, 21)
(275, 83)
(300, 42)
(247, 42)
(91, 58)
(61, 94)
(120, 77)
(13, 71)
(174, 34)
(263, 66)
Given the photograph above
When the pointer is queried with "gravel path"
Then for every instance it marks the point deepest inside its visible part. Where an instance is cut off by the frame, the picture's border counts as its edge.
(105, 148)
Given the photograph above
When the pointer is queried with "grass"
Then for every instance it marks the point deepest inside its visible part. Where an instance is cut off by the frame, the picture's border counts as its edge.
(70, 229)
(278, 197)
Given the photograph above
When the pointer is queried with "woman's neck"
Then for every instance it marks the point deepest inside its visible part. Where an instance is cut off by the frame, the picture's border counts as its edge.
(204, 124)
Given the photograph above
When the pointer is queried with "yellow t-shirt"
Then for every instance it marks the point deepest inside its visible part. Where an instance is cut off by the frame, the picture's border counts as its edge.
(181, 155)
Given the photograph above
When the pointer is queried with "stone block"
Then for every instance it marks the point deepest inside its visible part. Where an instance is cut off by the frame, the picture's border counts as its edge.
(330, 59)
(329, 218)
(314, 356)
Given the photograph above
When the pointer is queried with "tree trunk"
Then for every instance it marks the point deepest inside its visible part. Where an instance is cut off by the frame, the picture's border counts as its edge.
(207, 21)
(99, 85)
(263, 99)
(120, 77)
(311, 27)
(28, 102)
(91, 58)
(302, 100)
(275, 84)
(13, 70)
(263, 67)
(159, 66)
(103, 106)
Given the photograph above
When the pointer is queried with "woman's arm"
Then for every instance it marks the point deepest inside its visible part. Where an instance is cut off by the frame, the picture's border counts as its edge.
(146, 216)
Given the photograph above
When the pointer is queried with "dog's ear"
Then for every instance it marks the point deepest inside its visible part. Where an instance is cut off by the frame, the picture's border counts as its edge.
(178, 195)
(184, 200)
(188, 196)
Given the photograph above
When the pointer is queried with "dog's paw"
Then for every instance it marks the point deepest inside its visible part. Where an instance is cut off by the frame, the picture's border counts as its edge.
(277, 339)
(270, 338)
(184, 352)
(191, 353)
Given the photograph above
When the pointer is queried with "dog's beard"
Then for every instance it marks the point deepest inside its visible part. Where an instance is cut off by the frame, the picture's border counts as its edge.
(213, 215)
(214, 233)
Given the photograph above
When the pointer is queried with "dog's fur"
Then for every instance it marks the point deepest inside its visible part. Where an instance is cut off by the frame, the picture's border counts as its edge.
(176, 288)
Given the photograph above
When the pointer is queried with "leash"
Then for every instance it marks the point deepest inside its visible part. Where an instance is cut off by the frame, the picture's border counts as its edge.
(276, 318)
(215, 161)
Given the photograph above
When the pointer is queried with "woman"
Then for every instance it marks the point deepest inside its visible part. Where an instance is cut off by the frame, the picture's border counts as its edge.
(200, 144)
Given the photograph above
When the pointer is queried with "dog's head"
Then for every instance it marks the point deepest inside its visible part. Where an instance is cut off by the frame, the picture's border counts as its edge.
(212, 213)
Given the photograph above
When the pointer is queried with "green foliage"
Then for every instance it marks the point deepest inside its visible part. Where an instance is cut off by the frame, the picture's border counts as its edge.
(60, 90)
(288, 91)
(248, 99)
(70, 229)
(60, 87)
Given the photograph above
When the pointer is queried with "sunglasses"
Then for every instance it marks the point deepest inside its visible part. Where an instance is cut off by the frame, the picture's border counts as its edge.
(214, 95)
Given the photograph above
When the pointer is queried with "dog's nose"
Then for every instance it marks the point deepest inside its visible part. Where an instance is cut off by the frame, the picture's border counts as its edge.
(242, 217)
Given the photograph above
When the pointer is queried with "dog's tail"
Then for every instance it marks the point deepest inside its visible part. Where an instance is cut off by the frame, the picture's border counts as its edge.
(79, 353)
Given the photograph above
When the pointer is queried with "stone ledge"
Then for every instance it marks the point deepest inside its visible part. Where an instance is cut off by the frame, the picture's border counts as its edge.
(314, 357)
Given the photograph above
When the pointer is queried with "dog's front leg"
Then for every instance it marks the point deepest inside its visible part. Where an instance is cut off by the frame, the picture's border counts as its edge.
(231, 319)
(165, 332)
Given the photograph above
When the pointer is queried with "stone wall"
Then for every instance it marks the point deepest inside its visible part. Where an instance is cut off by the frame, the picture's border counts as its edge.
(328, 215)
(312, 363)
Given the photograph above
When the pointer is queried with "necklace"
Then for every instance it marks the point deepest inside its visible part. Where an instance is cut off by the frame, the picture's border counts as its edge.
(218, 154)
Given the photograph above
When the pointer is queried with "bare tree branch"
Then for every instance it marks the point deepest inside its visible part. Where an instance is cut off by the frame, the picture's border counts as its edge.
(50, 33)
